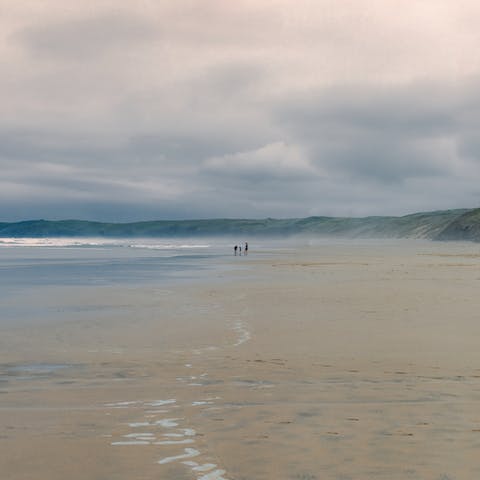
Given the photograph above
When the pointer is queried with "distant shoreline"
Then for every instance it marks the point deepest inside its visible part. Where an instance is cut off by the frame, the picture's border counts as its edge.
(459, 224)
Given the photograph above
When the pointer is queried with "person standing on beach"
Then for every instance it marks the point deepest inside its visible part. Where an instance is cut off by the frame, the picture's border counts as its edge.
(235, 248)
(246, 248)
(240, 250)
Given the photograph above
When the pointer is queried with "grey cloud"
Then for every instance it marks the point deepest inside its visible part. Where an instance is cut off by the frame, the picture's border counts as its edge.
(418, 109)
(324, 166)
(231, 83)
(468, 120)
(271, 162)
(469, 147)
(385, 135)
(373, 157)
(125, 210)
(128, 152)
(81, 38)
(187, 149)
(214, 23)
(188, 109)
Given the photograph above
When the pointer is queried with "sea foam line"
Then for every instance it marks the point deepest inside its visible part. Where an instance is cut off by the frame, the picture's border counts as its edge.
(243, 333)
(189, 453)
(121, 404)
(180, 436)
(131, 442)
(199, 468)
(215, 475)
(174, 442)
(161, 403)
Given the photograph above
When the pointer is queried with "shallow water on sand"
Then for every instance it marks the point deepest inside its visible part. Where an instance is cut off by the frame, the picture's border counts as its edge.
(313, 360)
(38, 269)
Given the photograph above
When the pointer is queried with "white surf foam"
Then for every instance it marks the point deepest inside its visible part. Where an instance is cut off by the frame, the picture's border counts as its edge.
(242, 332)
(174, 442)
(215, 475)
(187, 432)
(121, 404)
(140, 424)
(54, 242)
(168, 246)
(131, 442)
(139, 435)
(168, 422)
(189, 453)
(161, 403)
(199, 468)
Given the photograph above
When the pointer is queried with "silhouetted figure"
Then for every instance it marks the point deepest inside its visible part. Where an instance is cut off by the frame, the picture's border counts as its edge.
(246, 248)
(235, 248)
(240, 250)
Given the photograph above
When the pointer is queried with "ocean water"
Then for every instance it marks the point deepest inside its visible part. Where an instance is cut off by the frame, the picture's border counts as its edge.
(35, 272)
(102, 262)
(94, 261)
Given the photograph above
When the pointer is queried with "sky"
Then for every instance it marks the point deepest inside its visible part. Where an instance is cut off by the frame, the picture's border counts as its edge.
(119, 110)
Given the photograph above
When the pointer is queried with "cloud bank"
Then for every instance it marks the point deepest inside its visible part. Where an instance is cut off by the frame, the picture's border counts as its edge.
(122, 110)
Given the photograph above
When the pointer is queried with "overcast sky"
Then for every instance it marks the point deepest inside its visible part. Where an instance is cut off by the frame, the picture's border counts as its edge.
(125, 110)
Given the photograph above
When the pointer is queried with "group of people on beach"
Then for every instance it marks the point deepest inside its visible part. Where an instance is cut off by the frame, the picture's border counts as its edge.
(238, 249)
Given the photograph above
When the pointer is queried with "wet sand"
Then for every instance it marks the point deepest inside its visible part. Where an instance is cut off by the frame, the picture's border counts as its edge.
(328, 362)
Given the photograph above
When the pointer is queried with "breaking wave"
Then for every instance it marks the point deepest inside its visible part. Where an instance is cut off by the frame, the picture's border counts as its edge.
(100, 242)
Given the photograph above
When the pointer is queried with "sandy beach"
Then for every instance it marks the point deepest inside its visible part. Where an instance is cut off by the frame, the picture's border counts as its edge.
(333, 361)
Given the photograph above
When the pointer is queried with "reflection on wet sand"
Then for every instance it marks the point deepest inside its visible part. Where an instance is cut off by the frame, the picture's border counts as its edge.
(326, 363)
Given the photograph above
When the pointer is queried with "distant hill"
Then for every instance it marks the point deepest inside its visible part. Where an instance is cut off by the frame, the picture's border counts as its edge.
(464, 227)
(462, 224)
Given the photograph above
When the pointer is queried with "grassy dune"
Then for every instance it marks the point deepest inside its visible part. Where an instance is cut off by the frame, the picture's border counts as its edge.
(464, 227)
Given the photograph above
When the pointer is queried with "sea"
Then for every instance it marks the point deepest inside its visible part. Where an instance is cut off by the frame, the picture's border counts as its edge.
(36, 272)
(33, 269)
